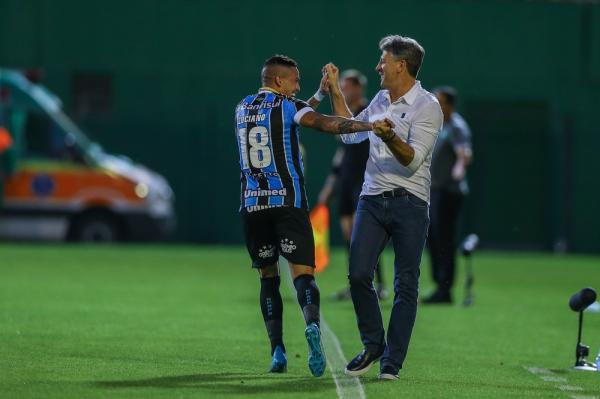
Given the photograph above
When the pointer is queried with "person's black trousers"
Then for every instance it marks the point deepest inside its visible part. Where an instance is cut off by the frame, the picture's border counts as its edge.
(444, 212)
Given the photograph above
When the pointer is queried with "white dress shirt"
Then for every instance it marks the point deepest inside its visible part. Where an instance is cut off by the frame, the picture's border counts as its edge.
(418, 120)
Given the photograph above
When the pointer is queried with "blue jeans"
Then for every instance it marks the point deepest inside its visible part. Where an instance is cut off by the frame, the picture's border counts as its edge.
(405, 220)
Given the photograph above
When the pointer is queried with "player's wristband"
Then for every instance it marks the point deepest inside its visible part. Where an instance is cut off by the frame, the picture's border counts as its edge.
(319, 96)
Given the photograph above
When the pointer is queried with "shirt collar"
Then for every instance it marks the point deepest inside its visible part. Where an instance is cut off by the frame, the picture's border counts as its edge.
(266, 89)
(409, 97)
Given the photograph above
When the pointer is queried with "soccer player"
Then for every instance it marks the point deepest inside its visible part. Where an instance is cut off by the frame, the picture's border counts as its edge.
(274, 207)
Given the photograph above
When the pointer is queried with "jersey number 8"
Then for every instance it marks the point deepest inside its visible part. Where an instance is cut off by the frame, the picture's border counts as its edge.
(260, 153)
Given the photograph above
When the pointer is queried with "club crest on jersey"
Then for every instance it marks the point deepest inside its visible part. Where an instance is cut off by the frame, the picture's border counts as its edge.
(266, 251)
(287, 246)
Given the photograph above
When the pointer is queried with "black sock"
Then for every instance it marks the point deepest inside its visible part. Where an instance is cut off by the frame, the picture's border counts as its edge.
(271, 306)
(309, 297)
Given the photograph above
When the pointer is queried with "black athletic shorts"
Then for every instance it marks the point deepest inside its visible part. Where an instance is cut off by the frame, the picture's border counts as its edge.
(282, 230)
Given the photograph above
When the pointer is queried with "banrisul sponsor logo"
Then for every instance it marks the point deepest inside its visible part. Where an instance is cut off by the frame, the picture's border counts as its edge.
(264, 193)
(287, 246)
(262, 105)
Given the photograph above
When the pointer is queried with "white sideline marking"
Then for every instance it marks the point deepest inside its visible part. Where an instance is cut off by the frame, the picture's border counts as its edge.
(549, 376)
(553, 379)
(537, 370)
(569, 388)
(345, 386)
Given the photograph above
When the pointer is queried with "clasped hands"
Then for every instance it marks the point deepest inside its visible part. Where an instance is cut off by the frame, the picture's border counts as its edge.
(384, 129)
(330, 83)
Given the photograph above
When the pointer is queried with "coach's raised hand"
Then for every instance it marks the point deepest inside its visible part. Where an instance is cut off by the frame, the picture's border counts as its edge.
(333, 77)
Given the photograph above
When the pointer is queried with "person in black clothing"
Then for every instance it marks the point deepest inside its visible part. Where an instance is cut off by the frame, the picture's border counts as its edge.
(451, 155)
(346, 178)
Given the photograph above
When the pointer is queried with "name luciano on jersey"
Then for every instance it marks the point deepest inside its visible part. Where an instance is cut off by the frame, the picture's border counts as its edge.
(264, 193)
(251, 118)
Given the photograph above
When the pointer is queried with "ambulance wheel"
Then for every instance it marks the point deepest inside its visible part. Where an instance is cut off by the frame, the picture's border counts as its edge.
(95, 227)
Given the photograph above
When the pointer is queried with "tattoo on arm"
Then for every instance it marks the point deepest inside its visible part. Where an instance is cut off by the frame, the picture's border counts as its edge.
(334, 124)
(351, 126)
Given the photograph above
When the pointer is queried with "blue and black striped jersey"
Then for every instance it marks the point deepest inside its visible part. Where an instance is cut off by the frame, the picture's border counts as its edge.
(267, 131)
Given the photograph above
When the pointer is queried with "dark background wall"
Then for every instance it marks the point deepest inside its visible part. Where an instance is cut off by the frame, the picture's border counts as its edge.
(164, 79)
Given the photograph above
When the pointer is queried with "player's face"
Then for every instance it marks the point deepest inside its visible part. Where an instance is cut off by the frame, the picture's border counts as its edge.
(389, 69)
(290, 83)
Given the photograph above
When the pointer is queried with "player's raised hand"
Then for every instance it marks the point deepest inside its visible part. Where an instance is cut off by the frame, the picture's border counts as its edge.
(324, 85)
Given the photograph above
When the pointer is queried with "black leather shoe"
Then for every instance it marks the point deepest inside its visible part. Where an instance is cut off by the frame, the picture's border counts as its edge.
(342, 295)
(438, 297)
(362, 363)
(388, 373)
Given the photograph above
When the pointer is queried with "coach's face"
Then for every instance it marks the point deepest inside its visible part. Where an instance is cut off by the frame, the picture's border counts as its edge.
(389, 69)
(289, 82)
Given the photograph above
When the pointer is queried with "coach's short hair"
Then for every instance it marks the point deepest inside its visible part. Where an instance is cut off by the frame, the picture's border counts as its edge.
(404, 48)
(449, 92)
(279, 59)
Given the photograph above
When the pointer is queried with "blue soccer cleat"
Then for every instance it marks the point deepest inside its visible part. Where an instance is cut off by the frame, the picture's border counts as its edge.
(316, 354)
(279, 361)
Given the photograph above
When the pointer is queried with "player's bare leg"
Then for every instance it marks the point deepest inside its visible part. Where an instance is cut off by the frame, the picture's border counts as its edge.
(271, 306)
(309, 299)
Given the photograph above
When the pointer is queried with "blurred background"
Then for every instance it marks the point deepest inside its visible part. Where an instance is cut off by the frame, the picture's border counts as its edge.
(158, 81)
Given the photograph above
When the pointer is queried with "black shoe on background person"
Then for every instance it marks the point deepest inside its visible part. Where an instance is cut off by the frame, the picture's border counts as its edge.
(342, 295)
(438, 297)
(382, 293)
(362, 363)
(388, 372)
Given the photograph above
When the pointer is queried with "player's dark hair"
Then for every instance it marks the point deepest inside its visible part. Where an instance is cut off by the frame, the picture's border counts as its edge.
(404, 48)
(279, 59)
(449, 92)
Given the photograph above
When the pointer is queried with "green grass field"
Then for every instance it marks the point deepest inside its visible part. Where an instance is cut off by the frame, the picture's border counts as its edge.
(184, 322)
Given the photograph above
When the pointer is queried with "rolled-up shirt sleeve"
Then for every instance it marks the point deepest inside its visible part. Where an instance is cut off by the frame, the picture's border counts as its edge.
(354, 138)
(423, 134)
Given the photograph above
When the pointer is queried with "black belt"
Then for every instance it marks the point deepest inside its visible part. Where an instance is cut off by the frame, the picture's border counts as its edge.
(397, 192)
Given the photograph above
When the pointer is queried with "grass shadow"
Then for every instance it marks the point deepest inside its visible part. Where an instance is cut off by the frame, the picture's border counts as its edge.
(229, 383)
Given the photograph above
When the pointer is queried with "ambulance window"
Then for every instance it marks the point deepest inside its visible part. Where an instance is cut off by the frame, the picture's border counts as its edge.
(44, 138)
